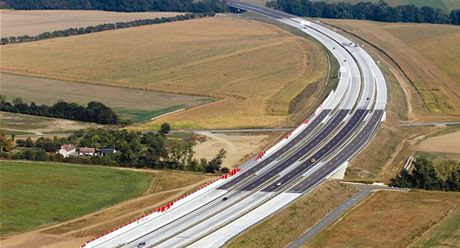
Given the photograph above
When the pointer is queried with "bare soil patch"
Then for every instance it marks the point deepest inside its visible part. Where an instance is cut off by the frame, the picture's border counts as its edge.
(238, 146)
(33, 22)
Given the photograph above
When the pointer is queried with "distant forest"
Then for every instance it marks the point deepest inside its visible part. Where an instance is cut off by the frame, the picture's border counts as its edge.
(122, 5)
(380, 11)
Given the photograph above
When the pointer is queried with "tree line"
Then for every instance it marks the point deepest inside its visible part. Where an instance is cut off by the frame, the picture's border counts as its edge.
(424, 176)
(95, 112)
(134, 149)
(122, 5)
(380, 11)
(101, 28)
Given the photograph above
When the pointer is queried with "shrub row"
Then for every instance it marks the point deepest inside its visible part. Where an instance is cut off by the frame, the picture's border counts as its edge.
(95, 112)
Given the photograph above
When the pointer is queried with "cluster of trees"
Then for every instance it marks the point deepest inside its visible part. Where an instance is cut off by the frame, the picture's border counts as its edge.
(47, 144)
(100, 28)
(6, 144)
(424, 176)
(95, 112)
(380, 11)
(122, 5)
(134, 149)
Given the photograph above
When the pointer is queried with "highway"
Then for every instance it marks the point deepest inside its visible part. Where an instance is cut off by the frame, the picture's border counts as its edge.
(342, 126)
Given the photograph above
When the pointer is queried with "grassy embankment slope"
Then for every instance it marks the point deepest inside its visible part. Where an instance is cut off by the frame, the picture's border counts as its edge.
(396, 219)
(257, 69)
(286, 225)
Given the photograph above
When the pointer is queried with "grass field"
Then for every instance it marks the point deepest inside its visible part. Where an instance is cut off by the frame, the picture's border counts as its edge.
(33, 22)
(396, 219)
(444, 234)
(288, 224)
(427, 54)
(39, 194)
(19, 124)
(165, 184)
(446, 5)
(136, 105)
(245, 63)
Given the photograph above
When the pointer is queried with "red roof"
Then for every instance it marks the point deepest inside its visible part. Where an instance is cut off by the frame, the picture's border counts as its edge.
(68, 147)
(87, 150)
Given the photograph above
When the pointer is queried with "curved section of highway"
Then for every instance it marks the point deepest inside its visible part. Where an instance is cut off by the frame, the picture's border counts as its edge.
(345, 122)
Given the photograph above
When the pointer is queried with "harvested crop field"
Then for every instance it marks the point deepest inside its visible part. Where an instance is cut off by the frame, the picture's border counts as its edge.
(33, 22)
(138, 105)
(255, 68)
(447, 143)
(392, 219)
(427, 54)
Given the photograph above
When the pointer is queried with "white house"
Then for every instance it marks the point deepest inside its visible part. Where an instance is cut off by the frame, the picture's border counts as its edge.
(67, 150)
